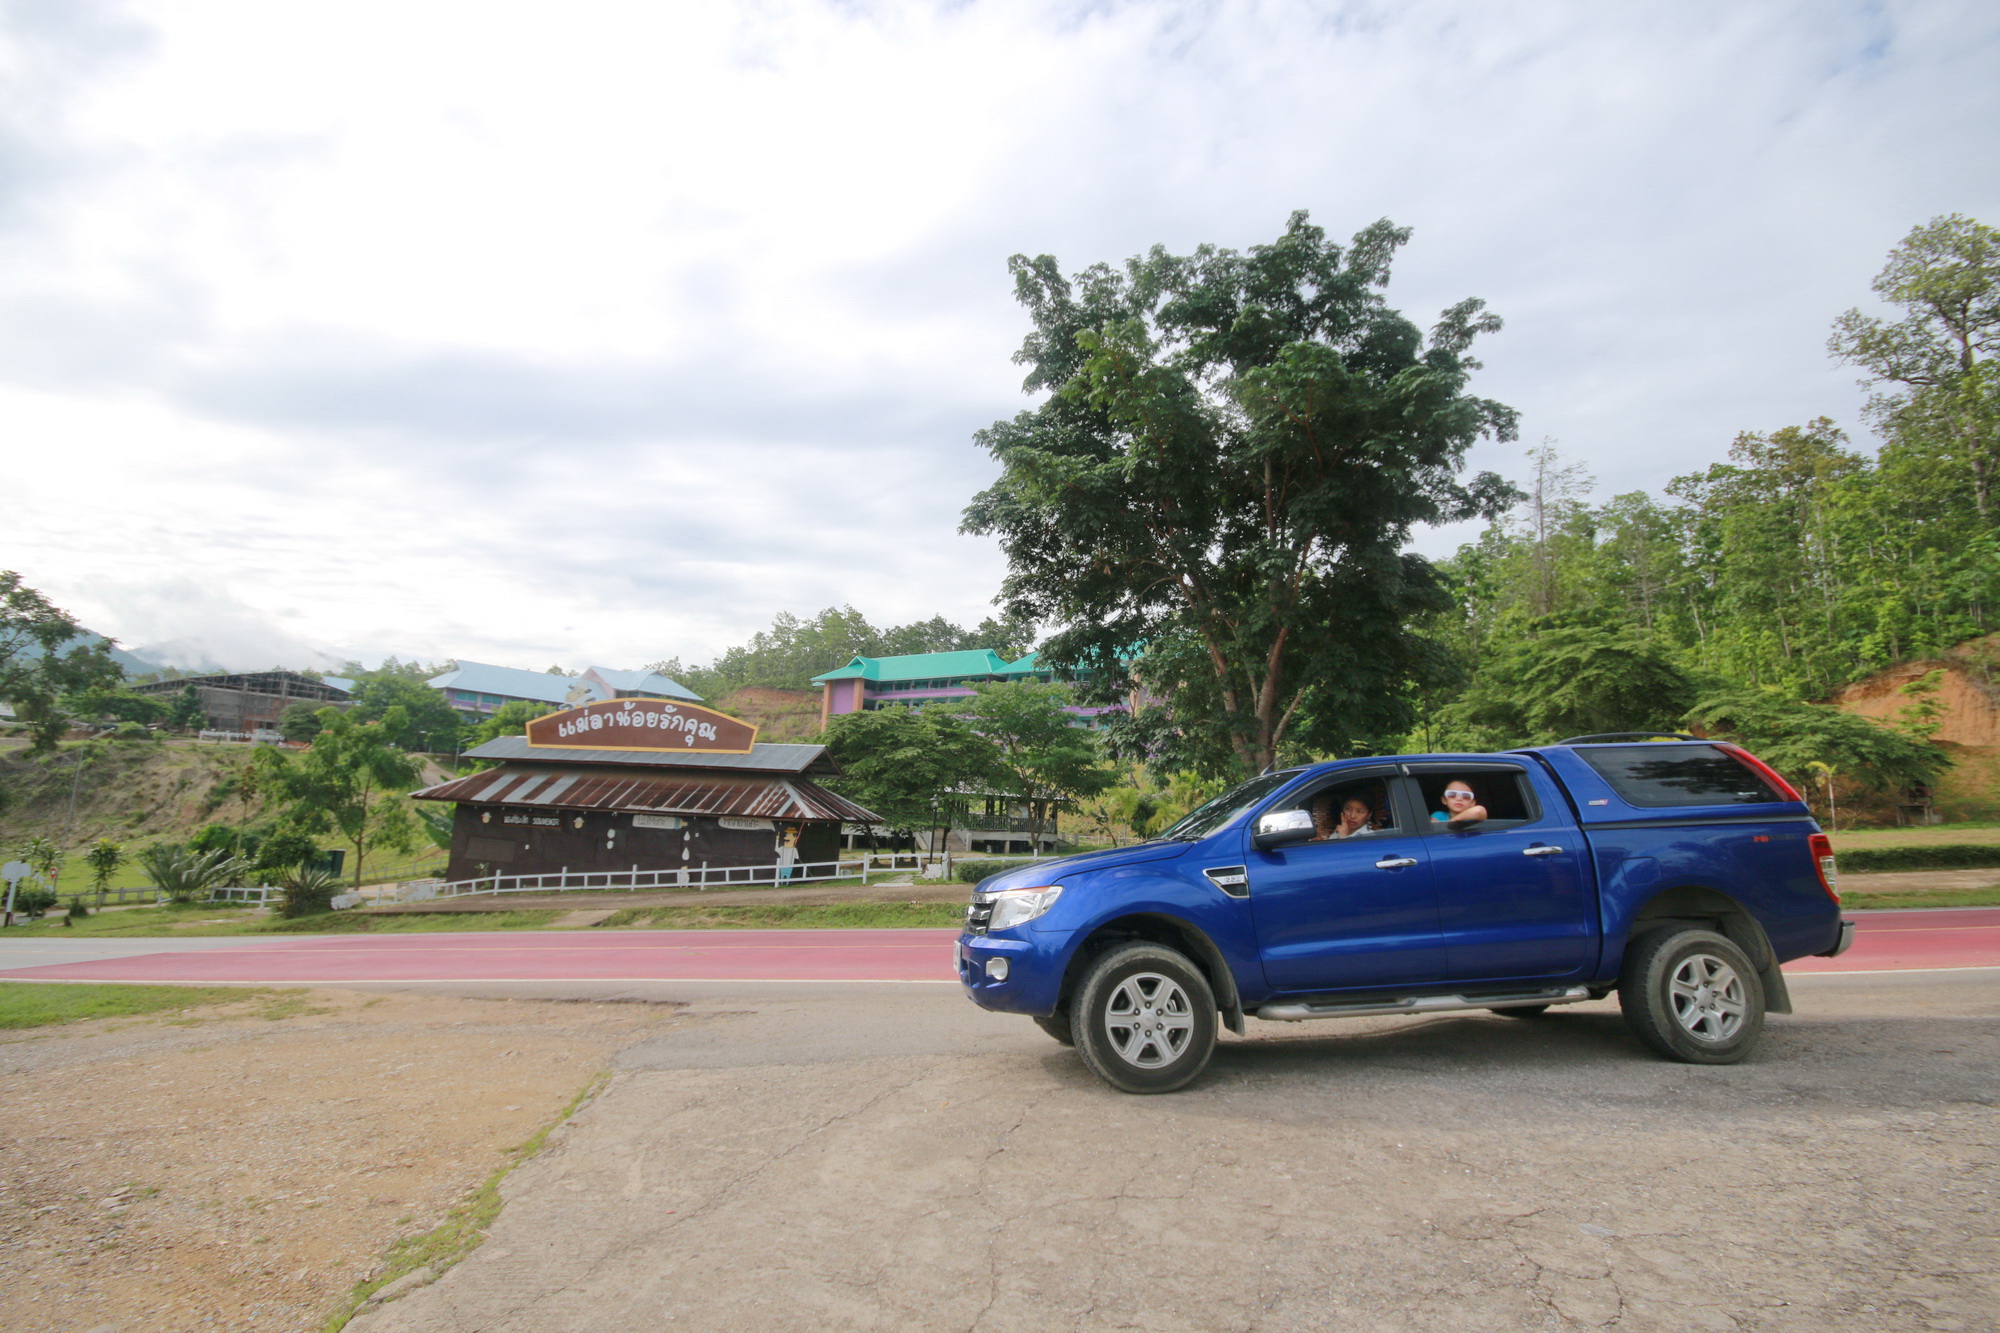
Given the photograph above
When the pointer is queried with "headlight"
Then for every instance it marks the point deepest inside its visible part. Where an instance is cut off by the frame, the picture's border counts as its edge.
(1014, 907)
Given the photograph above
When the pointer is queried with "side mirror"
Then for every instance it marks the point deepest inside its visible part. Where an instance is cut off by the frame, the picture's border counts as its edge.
(1283, 826)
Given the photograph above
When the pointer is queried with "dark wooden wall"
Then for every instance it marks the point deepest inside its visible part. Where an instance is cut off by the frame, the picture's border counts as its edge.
(610, 842)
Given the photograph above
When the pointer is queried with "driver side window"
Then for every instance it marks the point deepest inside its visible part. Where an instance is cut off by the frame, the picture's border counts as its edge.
(1352, 809)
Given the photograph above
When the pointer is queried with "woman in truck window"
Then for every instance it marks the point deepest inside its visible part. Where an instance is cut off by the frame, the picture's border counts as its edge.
(1342, 813)
(1356, 818)
(1461, 805)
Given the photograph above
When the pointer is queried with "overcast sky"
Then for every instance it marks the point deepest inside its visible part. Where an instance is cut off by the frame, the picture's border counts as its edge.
(602, 332)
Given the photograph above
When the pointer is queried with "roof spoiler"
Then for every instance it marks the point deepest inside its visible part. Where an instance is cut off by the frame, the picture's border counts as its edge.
(1628, 736)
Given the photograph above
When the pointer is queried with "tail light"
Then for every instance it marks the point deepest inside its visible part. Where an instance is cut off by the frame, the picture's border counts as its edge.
(1764, 771)
(1822, 854)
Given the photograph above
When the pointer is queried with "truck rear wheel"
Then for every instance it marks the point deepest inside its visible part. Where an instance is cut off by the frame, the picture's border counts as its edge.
(1693, 996)
(1144, 1019)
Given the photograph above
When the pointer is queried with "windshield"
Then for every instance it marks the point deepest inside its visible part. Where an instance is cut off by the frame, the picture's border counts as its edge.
(1218, 812)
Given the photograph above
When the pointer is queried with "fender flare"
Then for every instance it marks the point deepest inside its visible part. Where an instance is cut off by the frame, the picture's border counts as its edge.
(1705, 908)
(1174, 932)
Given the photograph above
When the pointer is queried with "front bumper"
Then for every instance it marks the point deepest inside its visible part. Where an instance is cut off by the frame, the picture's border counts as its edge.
(1842, 942)
(1033, 973)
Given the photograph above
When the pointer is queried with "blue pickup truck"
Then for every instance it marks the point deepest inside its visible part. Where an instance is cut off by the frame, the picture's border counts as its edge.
(1678, 872)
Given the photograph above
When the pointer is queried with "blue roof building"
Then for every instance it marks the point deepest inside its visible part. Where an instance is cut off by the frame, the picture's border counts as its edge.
(479, 689)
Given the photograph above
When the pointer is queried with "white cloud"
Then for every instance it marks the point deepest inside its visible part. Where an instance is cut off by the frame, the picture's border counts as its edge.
(603, 333)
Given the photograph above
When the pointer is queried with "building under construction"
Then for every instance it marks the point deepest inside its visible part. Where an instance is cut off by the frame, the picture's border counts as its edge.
(249, 700)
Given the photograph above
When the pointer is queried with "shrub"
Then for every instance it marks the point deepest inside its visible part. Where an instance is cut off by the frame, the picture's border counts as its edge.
(1938, 856)
(309, 890)
(77, 911)
(971, 872)
(31, 903)
(216, 838)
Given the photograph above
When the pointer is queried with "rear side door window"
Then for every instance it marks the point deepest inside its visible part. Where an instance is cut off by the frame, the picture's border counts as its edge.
(1657, 775)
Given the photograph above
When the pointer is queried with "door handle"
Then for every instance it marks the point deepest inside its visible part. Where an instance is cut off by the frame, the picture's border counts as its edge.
(1395, 862)
(1542, 849)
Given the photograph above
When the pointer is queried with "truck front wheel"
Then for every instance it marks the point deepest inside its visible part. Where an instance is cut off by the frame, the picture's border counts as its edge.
(1693, 996)
(1144, 1018)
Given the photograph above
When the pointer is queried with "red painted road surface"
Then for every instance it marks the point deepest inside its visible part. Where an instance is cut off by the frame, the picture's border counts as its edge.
(653, 955)
(1884, 941)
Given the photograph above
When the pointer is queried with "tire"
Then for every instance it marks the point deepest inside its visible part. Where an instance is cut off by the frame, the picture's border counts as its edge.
(1521, 1011)
(1144, 1019)
(1057, 1026)
(1693, 996)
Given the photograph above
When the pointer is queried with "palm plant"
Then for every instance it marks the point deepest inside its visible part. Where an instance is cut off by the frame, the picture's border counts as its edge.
(308, 889)
(186, 875)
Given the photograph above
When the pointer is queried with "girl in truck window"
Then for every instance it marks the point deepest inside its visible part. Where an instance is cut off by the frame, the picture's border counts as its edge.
(1461, 805)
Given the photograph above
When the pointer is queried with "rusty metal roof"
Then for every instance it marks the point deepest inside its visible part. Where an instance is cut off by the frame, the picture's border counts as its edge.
(764, 757)
(685, 794)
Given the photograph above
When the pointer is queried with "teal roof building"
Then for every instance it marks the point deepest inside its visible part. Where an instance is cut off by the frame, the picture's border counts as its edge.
(869, 683)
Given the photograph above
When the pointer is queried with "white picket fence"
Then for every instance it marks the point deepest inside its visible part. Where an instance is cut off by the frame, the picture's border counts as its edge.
(865, 867)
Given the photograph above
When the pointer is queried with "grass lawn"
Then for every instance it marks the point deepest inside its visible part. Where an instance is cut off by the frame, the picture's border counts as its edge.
(213, 919)
(27, 1004)
(791, 916)
(1854, 840)
(1871, 902)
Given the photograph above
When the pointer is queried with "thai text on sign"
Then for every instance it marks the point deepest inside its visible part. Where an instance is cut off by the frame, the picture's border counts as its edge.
(643, 724)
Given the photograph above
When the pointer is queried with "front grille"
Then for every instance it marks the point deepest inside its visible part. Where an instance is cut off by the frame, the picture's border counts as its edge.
(978, 916)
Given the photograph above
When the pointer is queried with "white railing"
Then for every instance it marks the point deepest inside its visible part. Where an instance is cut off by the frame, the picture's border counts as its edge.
(699, 878)
(262, 895)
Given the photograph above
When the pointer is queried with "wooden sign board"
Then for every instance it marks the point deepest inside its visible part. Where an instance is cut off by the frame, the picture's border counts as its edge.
(651, 725)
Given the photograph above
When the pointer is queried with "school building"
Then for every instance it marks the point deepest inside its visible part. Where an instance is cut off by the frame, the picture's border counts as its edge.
(868, 683)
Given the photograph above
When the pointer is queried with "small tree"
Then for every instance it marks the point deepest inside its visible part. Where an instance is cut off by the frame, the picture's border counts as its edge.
(42, 660)
(45, 858)
(1040, 753)
(1923, 717)
(349, 783)
(509, 719)
(187, 713)
(413, 715)
(299, 723)
(103, 858)
(906, 763)
(286, 849)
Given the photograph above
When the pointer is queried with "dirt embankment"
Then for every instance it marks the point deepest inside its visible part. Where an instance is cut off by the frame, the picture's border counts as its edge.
(243, 1167)
(131, 791)
(778, 715)
(1968, 723)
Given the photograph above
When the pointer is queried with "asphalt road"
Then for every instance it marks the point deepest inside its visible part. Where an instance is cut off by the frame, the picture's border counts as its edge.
(891, 1158)
(1953, 938)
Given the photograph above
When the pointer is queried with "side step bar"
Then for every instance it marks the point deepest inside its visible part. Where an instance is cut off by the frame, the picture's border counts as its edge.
(1424, 1004)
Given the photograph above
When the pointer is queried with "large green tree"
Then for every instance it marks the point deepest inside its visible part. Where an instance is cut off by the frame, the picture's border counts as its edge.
(350, 782)
(1937, 363)
(40, 661)
(1232, 453)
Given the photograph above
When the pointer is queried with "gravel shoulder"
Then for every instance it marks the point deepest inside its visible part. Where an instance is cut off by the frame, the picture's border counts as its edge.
(243, 1166)
(904, 1162)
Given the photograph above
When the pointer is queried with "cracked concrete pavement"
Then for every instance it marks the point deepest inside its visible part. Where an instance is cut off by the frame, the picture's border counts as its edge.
(892, 1158)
